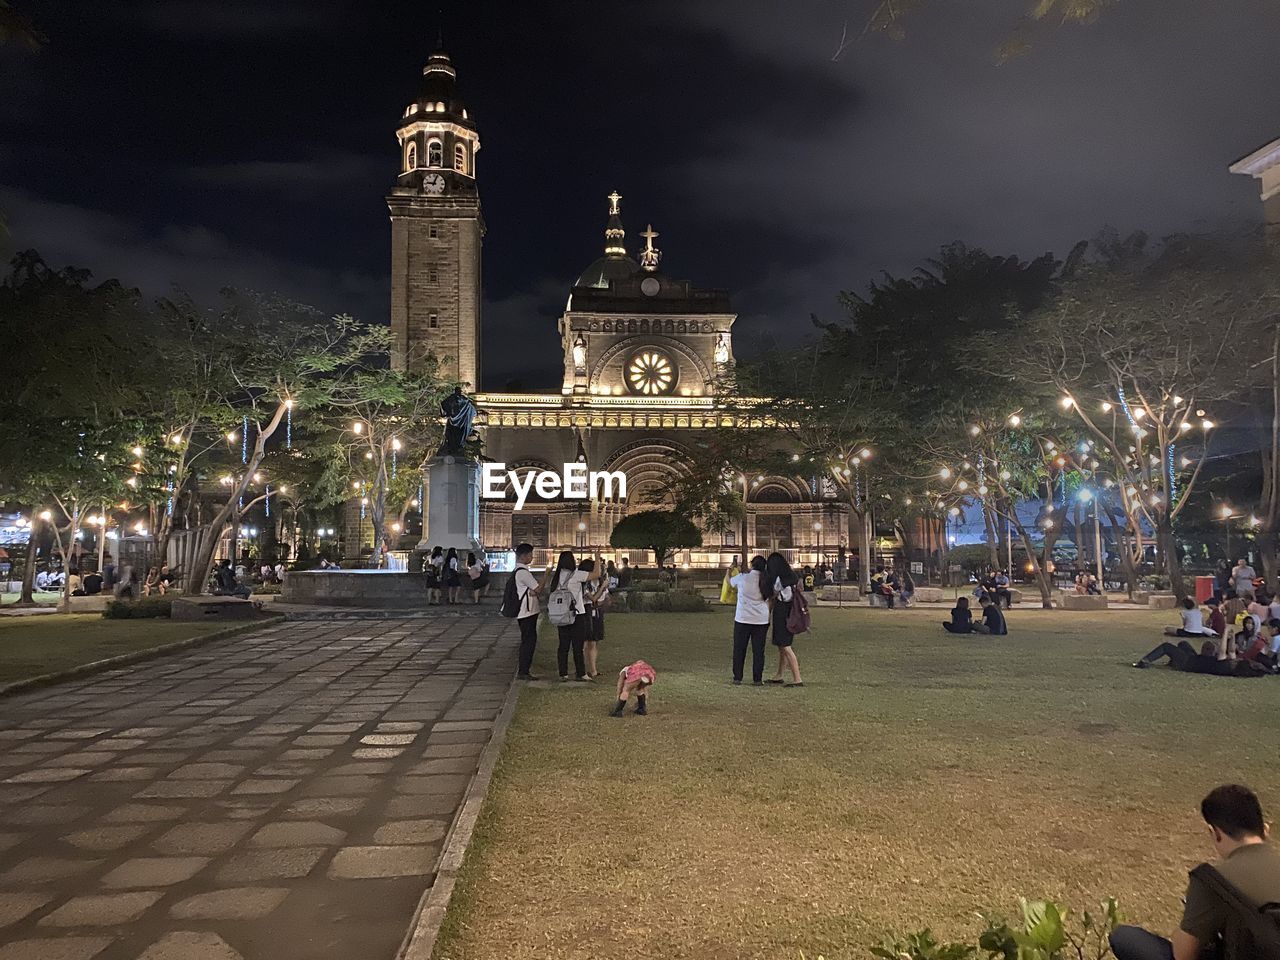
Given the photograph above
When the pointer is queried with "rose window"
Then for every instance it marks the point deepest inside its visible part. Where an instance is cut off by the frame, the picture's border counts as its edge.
(651, 373)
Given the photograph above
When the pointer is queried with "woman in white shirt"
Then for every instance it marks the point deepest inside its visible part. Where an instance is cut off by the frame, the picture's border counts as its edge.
(452, 575)
(574, 635)
(779, 583)
(434, 575)
(750, 621)
(1192, 622)
(478, 576)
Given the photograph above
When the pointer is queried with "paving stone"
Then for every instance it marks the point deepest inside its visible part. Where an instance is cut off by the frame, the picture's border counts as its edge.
(322, 728)
(45, 869)
(452, 750)
(446, 765)
(186, 945)
(62, 948)
(377, 753)
(312, 807)
(124, 774)
(107, 838)
(417, 805)
(101, 910)
(48, 775)
(311, 754)
(319, 740)
(202, 838)
(15, 906)
(46, 813)
(360, 769)
(299, 833)
(207, 771)
(254, 865)
(264, 786)
(362, 863)
(184, 788)
(444, 726)
(388, 739)
(449, 783)
(458, 736)
(342, 786)
(144, 813)
(411, 831)
(238, 903)
(10, 840)
(154, 871)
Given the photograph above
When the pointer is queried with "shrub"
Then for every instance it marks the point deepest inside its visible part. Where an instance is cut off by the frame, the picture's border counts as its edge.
(1043, 933)
(666, 601)
(142, 609)
(267, 589)
(650, 586)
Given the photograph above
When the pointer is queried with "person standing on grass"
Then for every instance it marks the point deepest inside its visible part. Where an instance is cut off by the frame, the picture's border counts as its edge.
(1222, 900)
(595, 619)
(750, 620)
(780, 582)
(573, 636)
(527, 590)
(1242, 576)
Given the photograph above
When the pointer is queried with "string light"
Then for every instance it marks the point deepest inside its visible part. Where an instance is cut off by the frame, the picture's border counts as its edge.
(1015, 420)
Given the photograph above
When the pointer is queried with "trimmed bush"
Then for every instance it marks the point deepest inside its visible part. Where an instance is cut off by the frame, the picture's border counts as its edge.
(649, 586)
(144, 609)
(666, 601)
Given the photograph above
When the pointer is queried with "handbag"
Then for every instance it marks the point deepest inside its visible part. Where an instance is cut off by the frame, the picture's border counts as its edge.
(728, 592)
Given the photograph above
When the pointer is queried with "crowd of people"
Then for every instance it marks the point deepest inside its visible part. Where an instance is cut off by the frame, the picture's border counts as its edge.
(447, 577)
(1238, 631)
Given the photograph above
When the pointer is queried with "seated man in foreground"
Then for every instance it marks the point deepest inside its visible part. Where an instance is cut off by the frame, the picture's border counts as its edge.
(1248, 863)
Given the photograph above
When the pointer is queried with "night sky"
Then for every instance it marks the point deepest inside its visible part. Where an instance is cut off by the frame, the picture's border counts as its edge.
(211, 143)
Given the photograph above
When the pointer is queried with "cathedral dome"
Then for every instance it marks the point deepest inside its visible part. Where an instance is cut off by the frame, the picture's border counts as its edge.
(438, 94)
(607, 269)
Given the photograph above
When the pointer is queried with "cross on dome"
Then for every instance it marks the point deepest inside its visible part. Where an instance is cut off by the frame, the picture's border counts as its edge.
(614, 199)
(650, 255)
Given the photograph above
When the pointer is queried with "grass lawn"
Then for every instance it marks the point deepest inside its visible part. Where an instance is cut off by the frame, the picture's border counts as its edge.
(917, 778)
(36, 645)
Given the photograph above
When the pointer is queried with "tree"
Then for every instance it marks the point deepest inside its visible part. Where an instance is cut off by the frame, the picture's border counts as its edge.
(658, 530)
(1137, 350)
(383, 425)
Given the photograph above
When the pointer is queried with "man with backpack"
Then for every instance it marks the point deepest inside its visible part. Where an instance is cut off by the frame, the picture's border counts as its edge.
(520, 601)
(1230, 910)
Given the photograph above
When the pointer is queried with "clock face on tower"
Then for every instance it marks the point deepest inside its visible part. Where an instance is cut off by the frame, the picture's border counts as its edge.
(433, 184)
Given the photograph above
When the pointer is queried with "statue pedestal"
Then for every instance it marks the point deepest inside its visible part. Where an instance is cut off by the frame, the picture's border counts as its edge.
(451, 486)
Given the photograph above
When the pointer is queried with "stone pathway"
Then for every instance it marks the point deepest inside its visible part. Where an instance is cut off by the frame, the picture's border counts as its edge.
(282, 795)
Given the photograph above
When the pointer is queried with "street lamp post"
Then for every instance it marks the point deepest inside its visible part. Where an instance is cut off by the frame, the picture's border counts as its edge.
(817, 528)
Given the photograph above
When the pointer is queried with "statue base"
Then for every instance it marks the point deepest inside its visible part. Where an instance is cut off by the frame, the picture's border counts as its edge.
(451, 518)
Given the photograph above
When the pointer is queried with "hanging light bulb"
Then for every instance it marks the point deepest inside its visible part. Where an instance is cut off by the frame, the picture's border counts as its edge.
(975, 430)
(357, 427)
(963, 484)
(945, 473)
(982, 490)
(137, 451)
(1014, 420)
(1067, 403)
(1106, 406)
(395, 445)
(231, 436)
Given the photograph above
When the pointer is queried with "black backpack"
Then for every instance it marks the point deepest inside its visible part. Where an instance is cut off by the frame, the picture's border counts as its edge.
(1252, 933)
(512, 601)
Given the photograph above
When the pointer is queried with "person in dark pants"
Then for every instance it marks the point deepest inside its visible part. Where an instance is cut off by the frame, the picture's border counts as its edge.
(1183, 658)
(527, 590)
(961, 618)
(750, 621)
(574, 636)
(1248, 863)
(780, 581)
(993, 622)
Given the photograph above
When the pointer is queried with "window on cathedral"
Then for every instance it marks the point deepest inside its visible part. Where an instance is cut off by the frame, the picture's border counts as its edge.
(433, 231)
(433, 275)
(651, 373)
(433, 320)
(411, 157)
(435, 153)
(460, 157)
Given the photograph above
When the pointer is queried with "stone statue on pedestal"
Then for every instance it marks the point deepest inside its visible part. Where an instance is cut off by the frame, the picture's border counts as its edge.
(460, 413)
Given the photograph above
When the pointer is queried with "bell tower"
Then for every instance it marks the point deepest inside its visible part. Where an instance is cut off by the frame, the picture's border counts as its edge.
(436, 230)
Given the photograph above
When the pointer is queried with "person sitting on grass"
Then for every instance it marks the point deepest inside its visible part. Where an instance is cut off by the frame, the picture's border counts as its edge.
(1192, 622)
(1248, 870)
(638, 679)
(993, 622)
(1183, 658)
(1257, 644)
(961, 617)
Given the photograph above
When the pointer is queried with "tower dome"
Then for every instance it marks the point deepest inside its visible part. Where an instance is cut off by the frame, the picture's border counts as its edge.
(615, 264)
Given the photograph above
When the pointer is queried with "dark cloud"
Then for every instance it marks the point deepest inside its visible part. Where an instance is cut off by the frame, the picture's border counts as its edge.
(208, 143)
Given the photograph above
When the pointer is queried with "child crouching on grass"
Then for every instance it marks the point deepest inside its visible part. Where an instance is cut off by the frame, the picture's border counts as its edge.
(638, 679)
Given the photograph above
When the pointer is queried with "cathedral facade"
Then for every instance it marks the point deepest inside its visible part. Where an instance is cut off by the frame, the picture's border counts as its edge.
(642, 350)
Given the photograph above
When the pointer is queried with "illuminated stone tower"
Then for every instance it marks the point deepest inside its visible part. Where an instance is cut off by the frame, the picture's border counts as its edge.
(436, 230)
